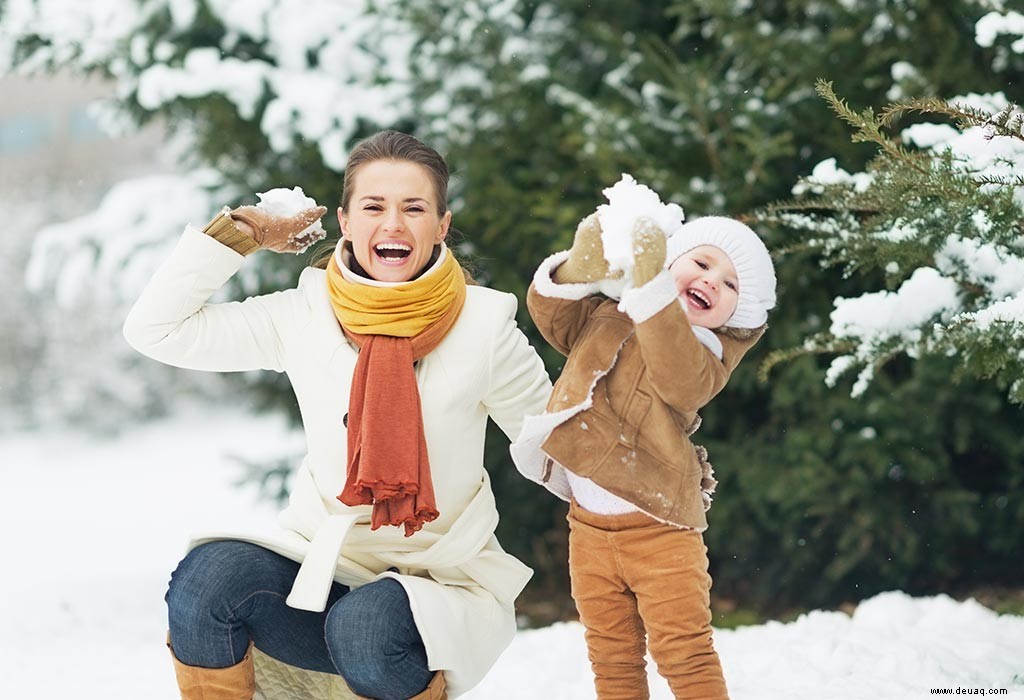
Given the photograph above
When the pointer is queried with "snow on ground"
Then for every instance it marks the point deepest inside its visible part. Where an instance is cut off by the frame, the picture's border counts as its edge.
(92, 527)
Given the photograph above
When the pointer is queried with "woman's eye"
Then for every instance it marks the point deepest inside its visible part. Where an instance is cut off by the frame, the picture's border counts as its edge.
(415, 209)
(373, 207)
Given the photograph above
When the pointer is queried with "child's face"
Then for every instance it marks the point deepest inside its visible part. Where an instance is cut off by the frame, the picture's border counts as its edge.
(708, 285)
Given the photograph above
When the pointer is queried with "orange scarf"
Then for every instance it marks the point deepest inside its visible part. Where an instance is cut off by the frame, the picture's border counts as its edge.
(393, 326)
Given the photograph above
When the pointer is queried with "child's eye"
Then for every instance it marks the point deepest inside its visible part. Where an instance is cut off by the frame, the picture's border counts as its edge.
(701, 264)
(731, 286)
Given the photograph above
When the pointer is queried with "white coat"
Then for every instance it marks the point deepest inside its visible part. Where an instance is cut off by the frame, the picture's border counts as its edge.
(460, 582)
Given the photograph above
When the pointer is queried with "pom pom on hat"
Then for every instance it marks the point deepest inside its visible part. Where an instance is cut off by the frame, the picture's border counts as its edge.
(748, 255)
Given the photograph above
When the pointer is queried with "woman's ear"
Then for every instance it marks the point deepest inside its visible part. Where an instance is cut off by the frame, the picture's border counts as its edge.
(446, 222)
(343, 223)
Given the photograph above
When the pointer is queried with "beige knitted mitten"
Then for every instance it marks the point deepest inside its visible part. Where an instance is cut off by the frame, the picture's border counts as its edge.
(648, 251)
(586, 261)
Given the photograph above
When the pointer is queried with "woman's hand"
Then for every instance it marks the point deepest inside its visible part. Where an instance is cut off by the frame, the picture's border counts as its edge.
(586, 262)
(282, 234)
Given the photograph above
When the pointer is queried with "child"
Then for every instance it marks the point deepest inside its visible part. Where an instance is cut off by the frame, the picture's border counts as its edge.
(615, 437)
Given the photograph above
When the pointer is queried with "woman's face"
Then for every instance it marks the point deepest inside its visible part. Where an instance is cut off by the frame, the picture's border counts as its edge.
(392, 220)
(706, 280)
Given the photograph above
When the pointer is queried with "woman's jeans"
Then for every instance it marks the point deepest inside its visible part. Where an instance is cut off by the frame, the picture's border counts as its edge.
(225, 593)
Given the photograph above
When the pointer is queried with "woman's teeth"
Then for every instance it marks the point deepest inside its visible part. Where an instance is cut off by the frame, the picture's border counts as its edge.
(392, 251)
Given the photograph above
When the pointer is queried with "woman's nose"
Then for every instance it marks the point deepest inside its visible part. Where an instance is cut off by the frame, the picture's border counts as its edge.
(393, 221)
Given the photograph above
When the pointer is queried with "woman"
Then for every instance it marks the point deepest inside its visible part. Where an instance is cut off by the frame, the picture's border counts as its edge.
(386, 572)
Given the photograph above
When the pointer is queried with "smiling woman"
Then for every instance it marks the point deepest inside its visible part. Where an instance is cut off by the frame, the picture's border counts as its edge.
(393, 225)
(386, 575)
(394, 208)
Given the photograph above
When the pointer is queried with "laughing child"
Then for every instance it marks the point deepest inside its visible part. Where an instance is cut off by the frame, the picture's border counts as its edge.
(616, 442)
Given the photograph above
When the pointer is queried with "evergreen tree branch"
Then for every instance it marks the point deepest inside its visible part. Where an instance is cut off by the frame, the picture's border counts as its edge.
(820, 344)
(1008, 122)
(868, 127)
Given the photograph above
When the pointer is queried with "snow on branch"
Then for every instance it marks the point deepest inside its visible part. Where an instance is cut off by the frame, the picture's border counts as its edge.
(110, 253)
(940, 213)
(304, 70)
(991, 26)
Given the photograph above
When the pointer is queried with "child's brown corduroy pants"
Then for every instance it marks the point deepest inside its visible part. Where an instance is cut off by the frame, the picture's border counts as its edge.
(633, 575)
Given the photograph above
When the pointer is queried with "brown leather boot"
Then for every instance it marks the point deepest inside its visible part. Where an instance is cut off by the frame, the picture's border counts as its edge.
(236, 682)
(436, 690)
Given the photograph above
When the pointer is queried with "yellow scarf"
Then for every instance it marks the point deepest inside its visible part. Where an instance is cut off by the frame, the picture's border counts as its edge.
(403, 310)
(388, 466)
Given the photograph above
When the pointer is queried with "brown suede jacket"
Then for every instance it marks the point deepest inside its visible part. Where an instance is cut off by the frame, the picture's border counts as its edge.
(651, 379)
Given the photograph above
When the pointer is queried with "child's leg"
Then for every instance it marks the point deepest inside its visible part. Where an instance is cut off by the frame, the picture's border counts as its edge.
(614, 632)
(668, 570)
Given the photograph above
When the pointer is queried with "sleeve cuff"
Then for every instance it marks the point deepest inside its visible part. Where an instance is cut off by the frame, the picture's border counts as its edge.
(641, 303)
(709, 340)
(200, 245)
(546, 285)
(223, 230)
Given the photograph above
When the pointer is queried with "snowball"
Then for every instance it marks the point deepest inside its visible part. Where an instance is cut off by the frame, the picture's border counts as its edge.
(627, 202)
(284, 202)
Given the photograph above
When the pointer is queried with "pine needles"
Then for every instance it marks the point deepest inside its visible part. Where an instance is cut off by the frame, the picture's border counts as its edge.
(939, 213)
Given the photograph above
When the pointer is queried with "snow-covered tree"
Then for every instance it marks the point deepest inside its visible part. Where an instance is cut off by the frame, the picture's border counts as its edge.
(937, 219)
(939, 215)
(258, 94)
(305, 72)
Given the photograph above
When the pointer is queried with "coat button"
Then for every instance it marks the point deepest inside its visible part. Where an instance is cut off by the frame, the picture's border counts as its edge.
(344, 420)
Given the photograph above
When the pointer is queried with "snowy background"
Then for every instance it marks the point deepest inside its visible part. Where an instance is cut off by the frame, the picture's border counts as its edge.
(105, 471)
(87, 567)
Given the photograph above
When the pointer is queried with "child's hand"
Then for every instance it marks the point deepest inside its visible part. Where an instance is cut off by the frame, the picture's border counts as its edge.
(586, 261)
(648, 251)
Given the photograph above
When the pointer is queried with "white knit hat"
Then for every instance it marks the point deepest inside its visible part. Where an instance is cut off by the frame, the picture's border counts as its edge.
(748, 255)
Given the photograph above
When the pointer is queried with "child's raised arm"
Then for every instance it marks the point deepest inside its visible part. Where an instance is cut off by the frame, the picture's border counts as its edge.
(562, 295)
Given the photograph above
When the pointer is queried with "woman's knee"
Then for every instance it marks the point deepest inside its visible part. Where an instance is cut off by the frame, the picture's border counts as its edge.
(371, 620)
(218, 575)
(371, 634)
